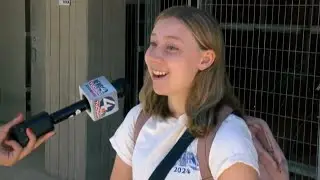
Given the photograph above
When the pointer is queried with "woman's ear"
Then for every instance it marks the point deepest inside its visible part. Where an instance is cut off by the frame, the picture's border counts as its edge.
(207, 60)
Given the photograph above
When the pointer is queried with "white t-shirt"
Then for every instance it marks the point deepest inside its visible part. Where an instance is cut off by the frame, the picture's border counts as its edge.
(232, 144)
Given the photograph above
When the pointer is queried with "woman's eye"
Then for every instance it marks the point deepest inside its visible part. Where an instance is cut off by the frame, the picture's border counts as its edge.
(153, 44)
(172, 48)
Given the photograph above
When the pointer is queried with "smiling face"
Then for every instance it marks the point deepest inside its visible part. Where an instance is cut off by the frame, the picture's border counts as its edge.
(173, 57)
(185, 61)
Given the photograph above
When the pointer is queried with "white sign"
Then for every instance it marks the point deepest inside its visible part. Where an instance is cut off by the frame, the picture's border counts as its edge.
(64, 2)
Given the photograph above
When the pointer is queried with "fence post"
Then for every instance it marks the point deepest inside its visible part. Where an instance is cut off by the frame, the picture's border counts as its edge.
(318, 145)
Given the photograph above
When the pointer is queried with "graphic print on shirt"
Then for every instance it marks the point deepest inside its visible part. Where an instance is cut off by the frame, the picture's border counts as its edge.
(187, 163)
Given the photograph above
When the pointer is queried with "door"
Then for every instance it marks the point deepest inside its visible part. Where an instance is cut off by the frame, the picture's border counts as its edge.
(12, 59)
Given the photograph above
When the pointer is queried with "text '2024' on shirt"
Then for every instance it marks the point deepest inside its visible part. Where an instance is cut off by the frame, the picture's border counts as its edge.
(232, 144)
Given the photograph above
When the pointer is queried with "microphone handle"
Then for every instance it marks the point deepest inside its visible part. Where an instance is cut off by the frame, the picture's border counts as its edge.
(70, 111)
(43, 123)
(40, 124)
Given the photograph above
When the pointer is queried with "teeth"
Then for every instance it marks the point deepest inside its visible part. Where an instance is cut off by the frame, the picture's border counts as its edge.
(159, 73)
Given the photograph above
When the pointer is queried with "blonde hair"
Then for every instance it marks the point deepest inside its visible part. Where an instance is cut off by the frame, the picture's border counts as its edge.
(210, 89)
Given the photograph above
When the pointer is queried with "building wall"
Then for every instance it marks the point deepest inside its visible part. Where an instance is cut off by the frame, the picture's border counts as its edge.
(83, 41)
(39, 52)
(106, 45)
(12, 59)
(65, 68)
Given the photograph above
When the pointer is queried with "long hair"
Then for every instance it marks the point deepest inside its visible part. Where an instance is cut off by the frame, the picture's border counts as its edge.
(210, 89)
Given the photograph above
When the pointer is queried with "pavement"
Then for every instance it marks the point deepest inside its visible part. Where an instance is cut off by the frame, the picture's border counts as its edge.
(30, 168)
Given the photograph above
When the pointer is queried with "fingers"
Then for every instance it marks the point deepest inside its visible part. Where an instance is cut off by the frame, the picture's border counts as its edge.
(264, 156)
(13, 122)
(31, 144)
(17, 153)
(5, 128)
(43, 139)
(14, 154)
(34, 143)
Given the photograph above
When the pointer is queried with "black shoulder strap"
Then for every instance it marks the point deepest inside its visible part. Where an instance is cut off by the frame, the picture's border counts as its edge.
(162, 170)
(237, 113)
(172, 157)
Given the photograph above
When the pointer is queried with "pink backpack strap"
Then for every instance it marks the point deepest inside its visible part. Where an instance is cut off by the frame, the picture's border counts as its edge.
(142, 119)
(272, 162)
(204, 144)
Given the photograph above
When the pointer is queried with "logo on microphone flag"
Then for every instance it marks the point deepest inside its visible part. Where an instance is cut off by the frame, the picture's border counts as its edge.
(105, 105)
(96, 87)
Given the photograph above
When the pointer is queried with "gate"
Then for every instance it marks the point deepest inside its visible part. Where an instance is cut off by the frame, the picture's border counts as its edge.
(272, 56)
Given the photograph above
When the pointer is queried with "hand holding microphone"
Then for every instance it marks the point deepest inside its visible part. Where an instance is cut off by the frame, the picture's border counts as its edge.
(98, 97)
(12, 152)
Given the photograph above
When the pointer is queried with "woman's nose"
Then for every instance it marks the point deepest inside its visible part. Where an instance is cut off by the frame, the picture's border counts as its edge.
(155, 54)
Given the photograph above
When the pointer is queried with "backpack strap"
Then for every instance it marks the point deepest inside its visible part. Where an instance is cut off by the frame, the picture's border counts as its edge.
(204, 144)
(142, 119)
(163, 169)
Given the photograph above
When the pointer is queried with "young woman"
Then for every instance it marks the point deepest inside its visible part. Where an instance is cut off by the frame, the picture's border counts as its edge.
(185, 83)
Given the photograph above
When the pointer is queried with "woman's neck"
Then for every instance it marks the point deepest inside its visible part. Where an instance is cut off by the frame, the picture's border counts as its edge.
(177, 104)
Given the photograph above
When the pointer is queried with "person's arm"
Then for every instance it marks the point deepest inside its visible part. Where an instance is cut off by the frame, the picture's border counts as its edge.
(10, 151)
(239, 171)
(121, 170)
(233, 155)
(123, 143)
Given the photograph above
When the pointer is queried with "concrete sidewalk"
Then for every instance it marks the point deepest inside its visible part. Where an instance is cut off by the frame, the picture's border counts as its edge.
(31, 168)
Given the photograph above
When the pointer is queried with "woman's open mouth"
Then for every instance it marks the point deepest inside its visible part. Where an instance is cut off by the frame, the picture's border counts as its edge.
(159, 74)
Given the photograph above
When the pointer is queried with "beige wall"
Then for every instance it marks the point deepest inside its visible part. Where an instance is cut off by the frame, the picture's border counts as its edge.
(106, 45)
(65, 68)
(39, 54)
(12, 59)
(84, 40)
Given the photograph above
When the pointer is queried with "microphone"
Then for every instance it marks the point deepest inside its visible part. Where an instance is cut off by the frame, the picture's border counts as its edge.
(98, 97)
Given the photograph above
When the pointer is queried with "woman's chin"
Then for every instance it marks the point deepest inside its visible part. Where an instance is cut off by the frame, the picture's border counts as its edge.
(160, 91)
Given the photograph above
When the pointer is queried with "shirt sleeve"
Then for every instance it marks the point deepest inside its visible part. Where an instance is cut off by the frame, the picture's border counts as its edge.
(232, 144)
(122, 141)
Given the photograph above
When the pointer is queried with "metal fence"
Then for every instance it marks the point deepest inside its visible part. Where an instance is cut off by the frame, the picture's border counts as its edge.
(272, 55)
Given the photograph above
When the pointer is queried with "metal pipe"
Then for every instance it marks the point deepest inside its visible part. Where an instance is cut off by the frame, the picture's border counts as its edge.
(270, 27)
(303, 169)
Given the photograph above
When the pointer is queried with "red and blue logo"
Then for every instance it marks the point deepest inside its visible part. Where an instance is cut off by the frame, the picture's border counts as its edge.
(105, 105)
(96, 87)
